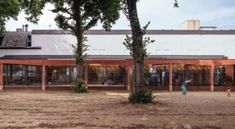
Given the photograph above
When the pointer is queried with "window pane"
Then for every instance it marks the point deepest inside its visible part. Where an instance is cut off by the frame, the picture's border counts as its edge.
(107, 74)
(157, 75)
(60, 75)
(199, 75)
(22, 75)
(34, 75)
(224, 75)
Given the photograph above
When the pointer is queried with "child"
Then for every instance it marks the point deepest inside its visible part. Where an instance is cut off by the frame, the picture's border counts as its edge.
(184, 85)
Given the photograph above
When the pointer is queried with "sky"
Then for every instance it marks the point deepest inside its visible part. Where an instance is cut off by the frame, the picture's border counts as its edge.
(160, 13)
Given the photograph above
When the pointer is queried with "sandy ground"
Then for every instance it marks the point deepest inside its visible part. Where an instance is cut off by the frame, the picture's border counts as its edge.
(106, 110)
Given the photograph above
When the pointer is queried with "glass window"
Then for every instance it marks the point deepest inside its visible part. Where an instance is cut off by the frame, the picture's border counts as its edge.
(34, 75)
(199, 75)
(22, 74)
(157, 75)
(61, 75)
(224, 75)
(107, 74)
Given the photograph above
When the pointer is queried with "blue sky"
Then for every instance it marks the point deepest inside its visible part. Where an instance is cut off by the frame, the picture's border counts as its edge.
(220, 13)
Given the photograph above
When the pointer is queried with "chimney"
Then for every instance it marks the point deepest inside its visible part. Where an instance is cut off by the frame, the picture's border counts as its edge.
(19, 30)
(191, 25)
(23, 28)
(26, 27)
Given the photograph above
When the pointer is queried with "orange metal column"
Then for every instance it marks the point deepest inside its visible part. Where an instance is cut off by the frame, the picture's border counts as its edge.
(212, 78)
(170, 78)
(128, 78)
(86, 75)
(1, 76)
(43, 77)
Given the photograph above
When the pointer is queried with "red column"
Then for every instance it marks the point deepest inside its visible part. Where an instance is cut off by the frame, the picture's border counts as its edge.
(128, 78)
(43, 77)
(1, 76)
(170, 78)
(212, 77)
(86, 75)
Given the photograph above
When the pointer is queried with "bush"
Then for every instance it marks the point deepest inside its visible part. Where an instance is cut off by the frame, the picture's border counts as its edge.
(141, 97)
(79, 88)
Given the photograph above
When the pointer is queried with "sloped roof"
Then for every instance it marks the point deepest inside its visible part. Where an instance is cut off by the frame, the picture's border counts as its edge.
(164, 32)
(15, 39)
(149, 32)
(50, 32)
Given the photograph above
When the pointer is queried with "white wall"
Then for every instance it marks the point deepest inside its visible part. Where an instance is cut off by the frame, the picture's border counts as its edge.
(113, 45)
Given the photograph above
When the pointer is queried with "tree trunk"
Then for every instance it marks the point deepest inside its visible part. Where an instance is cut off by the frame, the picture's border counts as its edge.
(138, 50)
(79, 34)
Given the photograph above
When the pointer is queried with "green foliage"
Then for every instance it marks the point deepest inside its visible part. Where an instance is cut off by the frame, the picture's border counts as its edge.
(2, 29)
(70, 12)
(128, 43)
(33, 9)
(79, 88)
(176, 5)
(146, 75)
(8, 9)
(78, 16)
(141, 97)
(80, 56)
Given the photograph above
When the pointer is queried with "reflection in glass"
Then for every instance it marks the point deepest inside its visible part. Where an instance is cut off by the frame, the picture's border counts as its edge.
(157, 75)
(199, 75)
(107, 74)
(224, 75)
(61, 75)
(21, 74)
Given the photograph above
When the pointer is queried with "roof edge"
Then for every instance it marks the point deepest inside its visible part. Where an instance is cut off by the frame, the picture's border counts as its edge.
(20, 47)
(149, 32)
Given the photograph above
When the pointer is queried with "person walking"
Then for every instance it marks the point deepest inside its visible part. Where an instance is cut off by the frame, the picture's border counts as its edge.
(184, 86)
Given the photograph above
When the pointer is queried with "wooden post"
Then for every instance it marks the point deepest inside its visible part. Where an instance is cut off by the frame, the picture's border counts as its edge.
(212, 78)
(1, 76)
(170, 78)
(43, 77)
(86, 75)
(128, 78)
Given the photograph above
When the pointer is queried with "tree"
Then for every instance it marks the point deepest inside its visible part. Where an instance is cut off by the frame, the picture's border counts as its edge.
(8, 9)
(77, 16)
(137, 46)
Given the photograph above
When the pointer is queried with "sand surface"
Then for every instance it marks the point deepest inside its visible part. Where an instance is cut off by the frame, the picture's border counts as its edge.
(111, 110)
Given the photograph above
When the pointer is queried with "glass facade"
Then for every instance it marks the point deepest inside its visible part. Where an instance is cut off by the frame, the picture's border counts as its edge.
(21, 74)
(107, 74)
(60, 75)
(157, 75)
(224, 75)
(199, 75)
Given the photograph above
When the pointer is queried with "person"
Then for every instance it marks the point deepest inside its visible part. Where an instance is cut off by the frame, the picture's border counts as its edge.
(153, 75)
(184, 86)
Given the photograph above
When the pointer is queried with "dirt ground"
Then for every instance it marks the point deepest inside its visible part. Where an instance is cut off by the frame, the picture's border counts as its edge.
(106, 110)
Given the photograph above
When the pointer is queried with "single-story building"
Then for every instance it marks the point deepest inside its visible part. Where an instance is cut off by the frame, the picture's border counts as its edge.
(43, 59)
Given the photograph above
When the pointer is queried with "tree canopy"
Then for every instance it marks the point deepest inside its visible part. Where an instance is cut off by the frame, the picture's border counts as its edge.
(77, 16)
(8, 9)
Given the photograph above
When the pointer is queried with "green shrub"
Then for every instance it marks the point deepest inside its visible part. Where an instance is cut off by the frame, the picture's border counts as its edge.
(79, 88)
(141, 97)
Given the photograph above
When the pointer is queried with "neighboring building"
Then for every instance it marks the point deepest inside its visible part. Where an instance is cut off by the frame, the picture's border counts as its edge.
(43, 59)
(191, 25)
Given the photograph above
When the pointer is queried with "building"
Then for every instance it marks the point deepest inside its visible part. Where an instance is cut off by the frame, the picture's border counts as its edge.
(43, 59)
